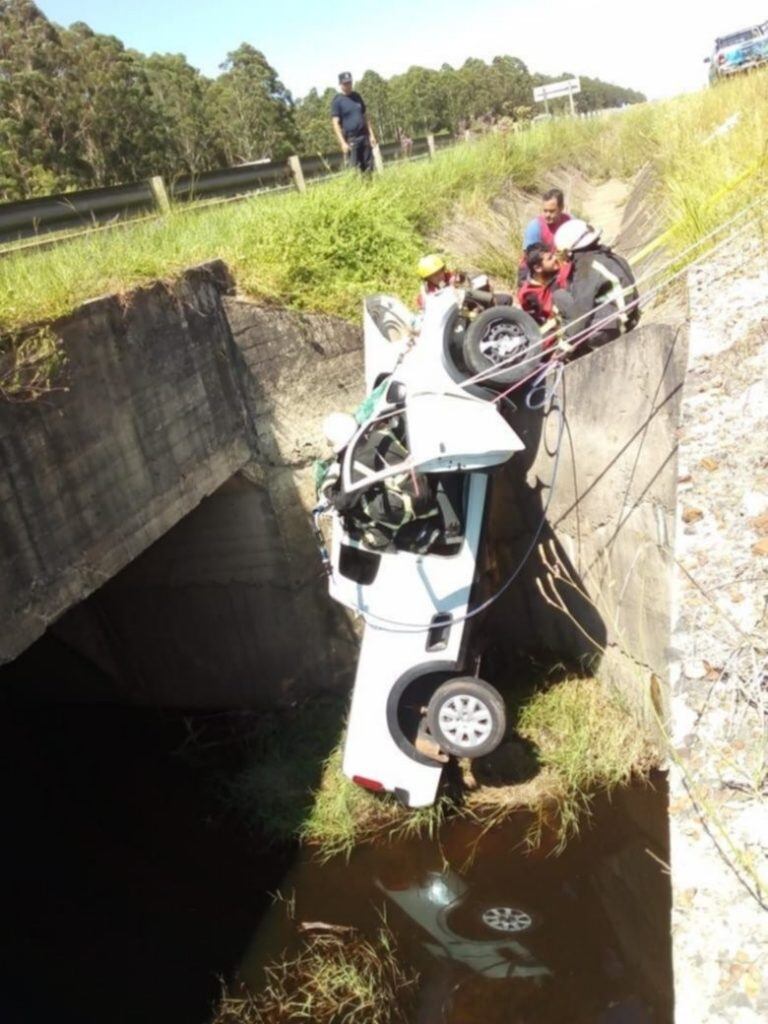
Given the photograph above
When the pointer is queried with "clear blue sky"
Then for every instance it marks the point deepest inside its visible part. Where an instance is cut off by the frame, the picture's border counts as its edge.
(656, 46)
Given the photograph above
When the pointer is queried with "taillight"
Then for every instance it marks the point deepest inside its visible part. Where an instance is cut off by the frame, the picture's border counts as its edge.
(372, 784)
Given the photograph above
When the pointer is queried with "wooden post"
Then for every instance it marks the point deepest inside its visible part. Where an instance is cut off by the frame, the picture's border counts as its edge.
(378, 163)
(467, 135)
(160, 193)
(431, 145)
(294, 163)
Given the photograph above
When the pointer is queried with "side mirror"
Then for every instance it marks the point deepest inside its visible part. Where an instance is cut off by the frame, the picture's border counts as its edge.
(707, 60)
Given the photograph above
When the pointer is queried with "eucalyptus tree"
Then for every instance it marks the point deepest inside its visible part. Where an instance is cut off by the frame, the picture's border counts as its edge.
(251, 108)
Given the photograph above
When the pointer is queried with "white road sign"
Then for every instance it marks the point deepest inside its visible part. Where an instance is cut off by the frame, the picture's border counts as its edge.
(551, 91)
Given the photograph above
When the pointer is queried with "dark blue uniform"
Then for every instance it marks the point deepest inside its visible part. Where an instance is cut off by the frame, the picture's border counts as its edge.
(350, 110)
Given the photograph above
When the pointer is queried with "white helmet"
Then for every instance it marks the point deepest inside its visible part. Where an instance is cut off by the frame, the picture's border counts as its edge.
(575, 234)
(338, 428)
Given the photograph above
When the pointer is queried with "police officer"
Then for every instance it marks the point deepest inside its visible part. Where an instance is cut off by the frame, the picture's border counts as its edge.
(352, 125)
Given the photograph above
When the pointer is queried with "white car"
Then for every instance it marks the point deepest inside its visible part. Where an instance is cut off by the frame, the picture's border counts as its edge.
(417, 697)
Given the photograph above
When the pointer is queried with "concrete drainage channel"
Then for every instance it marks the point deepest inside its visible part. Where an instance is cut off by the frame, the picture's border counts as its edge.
(160, 556)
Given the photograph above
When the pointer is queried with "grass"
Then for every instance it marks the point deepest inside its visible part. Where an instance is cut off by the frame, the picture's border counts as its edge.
(326, 249)
(334, 979)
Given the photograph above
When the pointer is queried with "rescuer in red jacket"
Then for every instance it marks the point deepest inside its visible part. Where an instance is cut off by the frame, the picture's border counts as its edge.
(546, 272)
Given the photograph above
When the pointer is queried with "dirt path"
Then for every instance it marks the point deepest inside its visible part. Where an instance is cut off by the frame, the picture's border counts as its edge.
(486, 239)
(603, 205)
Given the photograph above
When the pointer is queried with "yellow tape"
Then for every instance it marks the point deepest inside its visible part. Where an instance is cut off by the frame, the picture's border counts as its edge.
(660, 239)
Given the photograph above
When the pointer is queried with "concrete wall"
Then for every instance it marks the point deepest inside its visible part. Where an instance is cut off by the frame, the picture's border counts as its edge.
(148, 419)
(605, 550)
(123, 525)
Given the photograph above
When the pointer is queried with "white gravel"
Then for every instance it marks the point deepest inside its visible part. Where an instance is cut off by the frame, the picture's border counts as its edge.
(719, 764)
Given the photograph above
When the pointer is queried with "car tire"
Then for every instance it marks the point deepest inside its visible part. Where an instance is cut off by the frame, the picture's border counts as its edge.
(506, 337)
(466, 717)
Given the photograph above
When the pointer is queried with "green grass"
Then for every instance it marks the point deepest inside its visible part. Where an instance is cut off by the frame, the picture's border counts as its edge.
(343, 239)
(344, 815)
(332, 980)
(588, 742)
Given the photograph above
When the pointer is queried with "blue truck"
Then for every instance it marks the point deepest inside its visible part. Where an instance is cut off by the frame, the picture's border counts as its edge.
(739, 51)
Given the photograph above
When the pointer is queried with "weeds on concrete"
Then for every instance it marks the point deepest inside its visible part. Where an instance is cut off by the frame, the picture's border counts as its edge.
(334, 979)
(30, 365)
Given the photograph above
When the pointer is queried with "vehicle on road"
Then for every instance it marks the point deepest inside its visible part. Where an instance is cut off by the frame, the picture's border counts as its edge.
(418, 697)
(737, 52)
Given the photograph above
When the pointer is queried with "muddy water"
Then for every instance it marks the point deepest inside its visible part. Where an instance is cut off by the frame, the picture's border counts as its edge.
(128, 889)
(498, 934)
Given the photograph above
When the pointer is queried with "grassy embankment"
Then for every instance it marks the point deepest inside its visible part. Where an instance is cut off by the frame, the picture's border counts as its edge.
(343, 239)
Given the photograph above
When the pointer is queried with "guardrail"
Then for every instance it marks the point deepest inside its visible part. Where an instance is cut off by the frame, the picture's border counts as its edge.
(39, 220)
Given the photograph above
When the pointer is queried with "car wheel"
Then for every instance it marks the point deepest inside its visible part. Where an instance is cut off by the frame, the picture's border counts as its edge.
(503, 340)
(473, 919)
(466, 717)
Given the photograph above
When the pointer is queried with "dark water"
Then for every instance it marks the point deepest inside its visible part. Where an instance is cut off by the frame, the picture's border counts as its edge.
(511, 937)
(127, 889)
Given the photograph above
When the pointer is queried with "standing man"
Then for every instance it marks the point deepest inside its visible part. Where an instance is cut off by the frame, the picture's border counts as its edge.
(541, 230)
(352, 125)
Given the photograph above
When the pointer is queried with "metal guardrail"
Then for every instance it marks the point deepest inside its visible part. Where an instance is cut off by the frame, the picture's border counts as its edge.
(38, 220)
(28, 217)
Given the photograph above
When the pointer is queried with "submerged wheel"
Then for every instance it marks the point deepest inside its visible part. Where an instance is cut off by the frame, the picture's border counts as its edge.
(480, 920)
(506, 919)
(504, 340)
(466, 717)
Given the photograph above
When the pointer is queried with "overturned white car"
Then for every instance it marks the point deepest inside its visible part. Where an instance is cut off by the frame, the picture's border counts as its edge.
(407, 503)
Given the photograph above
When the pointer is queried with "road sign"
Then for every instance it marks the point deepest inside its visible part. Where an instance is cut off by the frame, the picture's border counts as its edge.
(551, 91)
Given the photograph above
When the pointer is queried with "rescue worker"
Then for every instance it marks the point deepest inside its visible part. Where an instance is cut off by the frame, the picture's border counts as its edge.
(435, 276)
(542, 229)
(546, 272)
(398, 511)
(601, 295)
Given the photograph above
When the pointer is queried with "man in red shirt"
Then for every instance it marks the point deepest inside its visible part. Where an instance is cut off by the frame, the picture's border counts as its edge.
(546, 272)
(542, 229)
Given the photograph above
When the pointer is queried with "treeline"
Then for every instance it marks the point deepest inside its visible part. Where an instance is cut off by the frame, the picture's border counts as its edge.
(79, 110)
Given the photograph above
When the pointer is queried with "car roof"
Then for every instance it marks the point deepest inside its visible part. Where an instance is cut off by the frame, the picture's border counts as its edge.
(741, 36)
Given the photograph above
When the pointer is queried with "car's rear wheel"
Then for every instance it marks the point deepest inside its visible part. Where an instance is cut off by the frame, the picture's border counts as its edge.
(478, 920)
(503, 343)
(466, 717)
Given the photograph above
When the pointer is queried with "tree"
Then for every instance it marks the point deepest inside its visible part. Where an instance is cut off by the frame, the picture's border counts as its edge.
(180, 94)
(252, 109)
(313, 122)
(32, 129)
(117, 133)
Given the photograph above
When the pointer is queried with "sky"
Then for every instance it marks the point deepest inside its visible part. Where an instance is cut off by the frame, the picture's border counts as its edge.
(656, 46)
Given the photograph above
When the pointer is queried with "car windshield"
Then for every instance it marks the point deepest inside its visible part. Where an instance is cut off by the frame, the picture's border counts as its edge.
(736, 38)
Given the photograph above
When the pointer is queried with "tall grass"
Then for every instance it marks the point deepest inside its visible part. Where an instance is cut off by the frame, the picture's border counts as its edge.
(333, 980)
